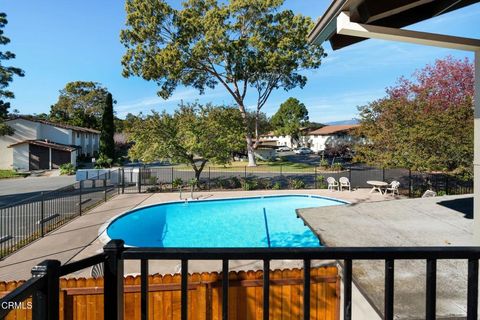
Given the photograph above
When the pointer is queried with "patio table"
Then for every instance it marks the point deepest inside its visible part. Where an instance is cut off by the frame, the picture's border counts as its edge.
(377, 185)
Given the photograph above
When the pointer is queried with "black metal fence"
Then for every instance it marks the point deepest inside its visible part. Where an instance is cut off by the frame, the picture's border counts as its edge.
(43, 287)
(165, 179)
(25, 221)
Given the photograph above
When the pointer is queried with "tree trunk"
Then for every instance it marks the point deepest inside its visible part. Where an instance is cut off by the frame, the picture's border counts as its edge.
(252, 161)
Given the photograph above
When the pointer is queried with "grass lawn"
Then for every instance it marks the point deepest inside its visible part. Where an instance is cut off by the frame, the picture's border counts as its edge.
(262, 166)
(8, 174)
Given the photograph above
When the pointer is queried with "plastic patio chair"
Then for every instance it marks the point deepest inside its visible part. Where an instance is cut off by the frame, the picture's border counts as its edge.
(344, 183)
(393, 187)
(332, 183)
(97, 271)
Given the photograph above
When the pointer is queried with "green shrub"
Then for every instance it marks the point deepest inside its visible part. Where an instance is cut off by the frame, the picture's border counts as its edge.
(152, 180)
(177, 182)
(337, 166)
(296, 184)
(67, 169)
(321, 182)
(103, 162)
(249, 184)
(277, 186)
(441, 193)
(323, 163)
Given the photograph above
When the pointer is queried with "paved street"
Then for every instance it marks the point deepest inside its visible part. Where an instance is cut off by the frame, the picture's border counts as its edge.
(14, 190)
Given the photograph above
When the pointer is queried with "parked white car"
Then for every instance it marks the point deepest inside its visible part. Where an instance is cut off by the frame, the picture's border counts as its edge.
(303, 150)
(284, 149)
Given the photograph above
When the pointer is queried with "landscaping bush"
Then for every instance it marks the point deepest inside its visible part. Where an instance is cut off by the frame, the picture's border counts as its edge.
(249, 184)
(277, 186)
(337, 166)
(323, 163)
(296, 184)
(321, 182)
(67, 169)
(177, 182)
(103, 162)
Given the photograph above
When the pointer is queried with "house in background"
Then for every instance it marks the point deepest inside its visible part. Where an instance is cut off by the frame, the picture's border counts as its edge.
(318, 139)
(38, 144)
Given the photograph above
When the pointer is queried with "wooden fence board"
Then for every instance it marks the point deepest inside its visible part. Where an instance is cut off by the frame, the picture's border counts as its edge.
(82, 299)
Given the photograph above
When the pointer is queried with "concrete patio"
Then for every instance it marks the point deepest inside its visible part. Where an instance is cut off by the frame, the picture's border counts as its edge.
(440, 221)
(80, 238)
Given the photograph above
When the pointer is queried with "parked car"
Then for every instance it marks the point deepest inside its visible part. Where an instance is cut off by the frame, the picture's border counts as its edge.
(303, 150)
(284, 149)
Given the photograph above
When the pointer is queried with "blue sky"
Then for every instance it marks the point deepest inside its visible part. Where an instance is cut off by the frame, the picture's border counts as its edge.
(58, 41)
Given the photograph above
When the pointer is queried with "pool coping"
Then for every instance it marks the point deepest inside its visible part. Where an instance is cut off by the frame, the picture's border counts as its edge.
(104, 238)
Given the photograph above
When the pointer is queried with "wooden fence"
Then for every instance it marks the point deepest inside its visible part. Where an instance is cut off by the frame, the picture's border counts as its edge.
(83, 298)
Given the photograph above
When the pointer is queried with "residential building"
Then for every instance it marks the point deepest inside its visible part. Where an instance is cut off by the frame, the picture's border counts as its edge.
(318, 139)
(39, 144)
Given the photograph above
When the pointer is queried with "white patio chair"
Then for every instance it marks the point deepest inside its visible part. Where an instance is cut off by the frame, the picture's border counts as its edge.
(332, 183)
(344, 183)
(429, 194)
(393, 187)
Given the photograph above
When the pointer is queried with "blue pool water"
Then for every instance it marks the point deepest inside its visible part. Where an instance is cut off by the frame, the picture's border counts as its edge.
(245, 222)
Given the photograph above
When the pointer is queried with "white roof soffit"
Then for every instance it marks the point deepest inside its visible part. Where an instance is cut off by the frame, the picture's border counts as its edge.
(344, 26)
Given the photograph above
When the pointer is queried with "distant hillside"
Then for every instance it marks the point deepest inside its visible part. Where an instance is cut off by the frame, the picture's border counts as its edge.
(343, 122)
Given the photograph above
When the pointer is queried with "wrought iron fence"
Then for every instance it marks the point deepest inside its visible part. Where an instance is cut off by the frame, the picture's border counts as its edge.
(44, 289)
(25, 221)
(165, 179)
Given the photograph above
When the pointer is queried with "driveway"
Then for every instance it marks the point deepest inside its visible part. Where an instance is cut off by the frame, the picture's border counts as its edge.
(13, 190)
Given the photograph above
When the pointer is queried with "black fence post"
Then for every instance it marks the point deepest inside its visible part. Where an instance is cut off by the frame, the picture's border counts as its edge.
(350, 174)
(410, 183)
(245, 172)
(383, 174)
(113, 280)
(45, 301)
(105, 189)
(42, 214)
(315, 178)
(171, 180)
(80, 197)
(208, 178)
(123, 180)
(446, 184)
(139, 180)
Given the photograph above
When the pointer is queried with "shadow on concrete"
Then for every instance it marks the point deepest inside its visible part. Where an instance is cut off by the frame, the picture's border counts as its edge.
(463, 205)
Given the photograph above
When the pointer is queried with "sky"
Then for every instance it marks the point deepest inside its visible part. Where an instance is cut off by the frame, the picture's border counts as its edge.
(58, 41)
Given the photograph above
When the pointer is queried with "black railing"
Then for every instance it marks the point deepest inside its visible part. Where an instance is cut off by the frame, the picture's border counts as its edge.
(167, 179)
(43, 287)
(32, 218)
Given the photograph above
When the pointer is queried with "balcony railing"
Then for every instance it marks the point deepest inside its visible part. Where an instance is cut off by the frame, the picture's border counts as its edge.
(43, 287)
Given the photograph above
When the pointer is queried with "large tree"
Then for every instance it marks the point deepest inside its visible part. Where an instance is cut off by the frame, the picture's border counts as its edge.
(107, 144)
(6, 76)
(425, 123)
(193, 135)
(290, 118)
(240, 45)
(80, 103)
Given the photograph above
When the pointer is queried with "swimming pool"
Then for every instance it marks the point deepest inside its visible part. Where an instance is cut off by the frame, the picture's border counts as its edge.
(268, 221)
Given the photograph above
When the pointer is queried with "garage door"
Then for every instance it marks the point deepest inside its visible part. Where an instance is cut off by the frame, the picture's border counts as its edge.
(39, 158)
(59, 157)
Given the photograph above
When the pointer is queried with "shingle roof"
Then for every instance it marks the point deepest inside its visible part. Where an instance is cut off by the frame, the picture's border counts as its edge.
(334, 129)
(58, 125)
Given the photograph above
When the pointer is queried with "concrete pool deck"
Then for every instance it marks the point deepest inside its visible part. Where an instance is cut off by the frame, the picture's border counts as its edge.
(440, 221)
(79, 239)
